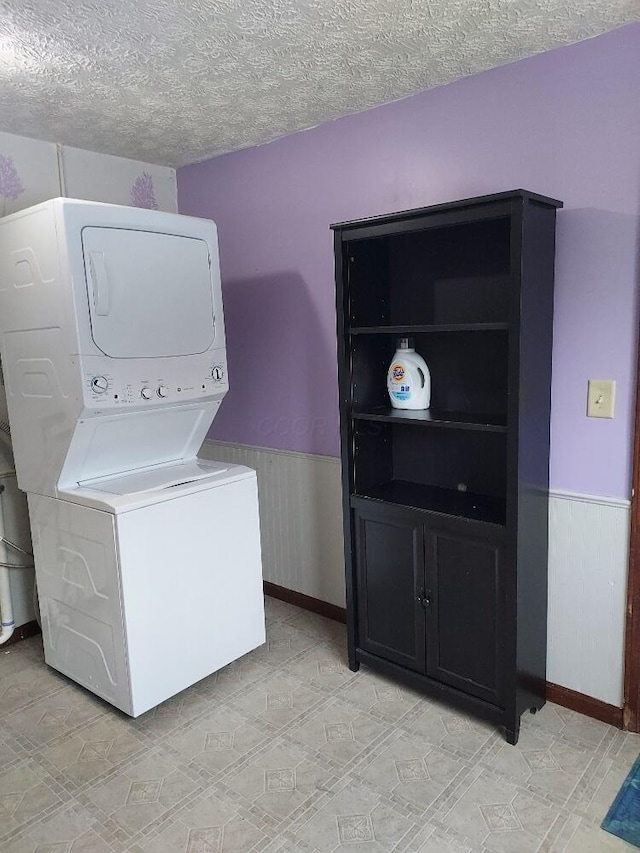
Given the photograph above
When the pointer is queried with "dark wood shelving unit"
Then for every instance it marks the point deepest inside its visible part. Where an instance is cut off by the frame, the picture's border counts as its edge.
(415, 330)
(491, 510)
(446, 509)
(434, 418)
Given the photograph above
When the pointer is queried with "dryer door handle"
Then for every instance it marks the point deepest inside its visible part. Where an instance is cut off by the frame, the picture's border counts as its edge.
(100, 280)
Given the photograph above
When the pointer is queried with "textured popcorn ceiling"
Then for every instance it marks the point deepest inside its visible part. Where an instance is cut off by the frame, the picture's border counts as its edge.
(175, 81)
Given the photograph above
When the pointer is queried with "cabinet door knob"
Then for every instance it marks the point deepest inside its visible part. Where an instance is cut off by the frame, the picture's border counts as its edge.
(424, 598)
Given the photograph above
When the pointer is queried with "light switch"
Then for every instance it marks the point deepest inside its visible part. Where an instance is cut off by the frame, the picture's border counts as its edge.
(601, 398)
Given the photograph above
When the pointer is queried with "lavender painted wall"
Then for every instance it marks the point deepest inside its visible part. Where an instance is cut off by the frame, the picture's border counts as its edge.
(565, 124)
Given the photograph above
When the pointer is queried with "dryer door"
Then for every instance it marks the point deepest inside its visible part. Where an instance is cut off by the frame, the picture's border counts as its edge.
(150, 294)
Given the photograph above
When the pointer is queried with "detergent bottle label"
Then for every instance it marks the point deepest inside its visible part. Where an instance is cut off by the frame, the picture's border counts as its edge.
(400, 387)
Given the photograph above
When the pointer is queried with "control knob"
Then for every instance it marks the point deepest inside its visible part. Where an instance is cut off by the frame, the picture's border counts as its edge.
(99, 384)
(146, 393)
(162, 391)
(217, 373)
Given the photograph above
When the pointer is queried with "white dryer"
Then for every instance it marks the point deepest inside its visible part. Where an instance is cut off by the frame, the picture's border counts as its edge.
(112, 337)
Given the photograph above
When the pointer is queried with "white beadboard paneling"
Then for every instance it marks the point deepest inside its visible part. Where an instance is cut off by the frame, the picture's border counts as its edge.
(28, 172)
(300, 517)
(588, 566)
(117, 180)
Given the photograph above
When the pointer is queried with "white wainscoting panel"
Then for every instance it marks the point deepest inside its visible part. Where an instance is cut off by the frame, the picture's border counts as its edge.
(300, 517)
(588, 566)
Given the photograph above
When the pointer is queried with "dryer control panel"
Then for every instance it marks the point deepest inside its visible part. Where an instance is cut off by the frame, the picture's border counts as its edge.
(111, 384)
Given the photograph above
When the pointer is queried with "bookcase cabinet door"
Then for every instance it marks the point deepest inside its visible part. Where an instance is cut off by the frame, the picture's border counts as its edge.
(390, 585)
(465, 620)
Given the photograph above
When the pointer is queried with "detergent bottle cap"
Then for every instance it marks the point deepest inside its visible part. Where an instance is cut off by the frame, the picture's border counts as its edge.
(405, 344)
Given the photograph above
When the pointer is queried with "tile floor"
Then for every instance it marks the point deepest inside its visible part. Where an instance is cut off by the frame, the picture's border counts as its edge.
(287, 751)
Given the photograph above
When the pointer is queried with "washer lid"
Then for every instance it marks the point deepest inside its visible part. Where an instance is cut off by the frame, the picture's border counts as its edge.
(144, 488)
(160, 478)
(150, 294)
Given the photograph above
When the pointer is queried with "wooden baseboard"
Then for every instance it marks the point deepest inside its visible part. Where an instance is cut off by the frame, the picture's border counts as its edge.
(22, 632)
(585, 705)
(306, 602)
(571, 699)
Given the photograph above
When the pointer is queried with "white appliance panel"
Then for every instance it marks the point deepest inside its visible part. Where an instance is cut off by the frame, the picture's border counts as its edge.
(118, 443)
(147, 559)
(139, 606)
(160, 483)
(79, 593)
(191, 588)
(125, 384)
(150, 294)
(158, 479)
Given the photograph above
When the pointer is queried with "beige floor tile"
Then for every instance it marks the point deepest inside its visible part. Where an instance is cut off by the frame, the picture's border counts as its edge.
(233, 679)
(28, 681)
(562, 721)
(27, 792)
(382, 697)
(20, 656)
(603, 789)
(57, 715)
(277, 611)
(11, 752)
(172, 714)
(319, 626)
(95, 750)
(625, 748)
(277, 701)
(355, 820)
(493, 813)
(142, 793)
(339, 731)
(284, 642)
(280, 780)
(549, 763)
(324, 666)
(450, 729)
(69, 831)
(435, 840)
(32, 648)
(209, 826)
(592, 839)
(218, 740)
(287, 751)
(412, 770)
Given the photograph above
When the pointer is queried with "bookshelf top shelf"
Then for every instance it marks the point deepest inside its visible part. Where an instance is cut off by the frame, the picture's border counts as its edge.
(420, 329)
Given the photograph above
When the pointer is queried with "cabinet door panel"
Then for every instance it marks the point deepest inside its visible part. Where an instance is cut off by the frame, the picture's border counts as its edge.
(465, 622)
(390, 575)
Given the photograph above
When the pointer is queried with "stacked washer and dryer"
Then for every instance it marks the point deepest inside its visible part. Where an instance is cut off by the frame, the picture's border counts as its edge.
(113, 347)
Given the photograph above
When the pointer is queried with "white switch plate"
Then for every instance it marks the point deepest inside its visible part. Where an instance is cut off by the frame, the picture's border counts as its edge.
(601, 398)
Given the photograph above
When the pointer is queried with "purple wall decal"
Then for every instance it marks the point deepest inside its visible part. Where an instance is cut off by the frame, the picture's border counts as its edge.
(142, 192)
(564, 123)
(10, 184)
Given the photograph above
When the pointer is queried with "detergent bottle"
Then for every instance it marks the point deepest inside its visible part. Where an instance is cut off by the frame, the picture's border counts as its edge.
(408, 378)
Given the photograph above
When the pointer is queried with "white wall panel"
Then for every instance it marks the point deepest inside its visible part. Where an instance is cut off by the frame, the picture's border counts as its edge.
(301, 517)
(116, 180)
(588, 557)
(28, 172)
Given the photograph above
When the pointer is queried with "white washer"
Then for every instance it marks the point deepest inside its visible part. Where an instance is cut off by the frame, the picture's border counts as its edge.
(147, 558)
